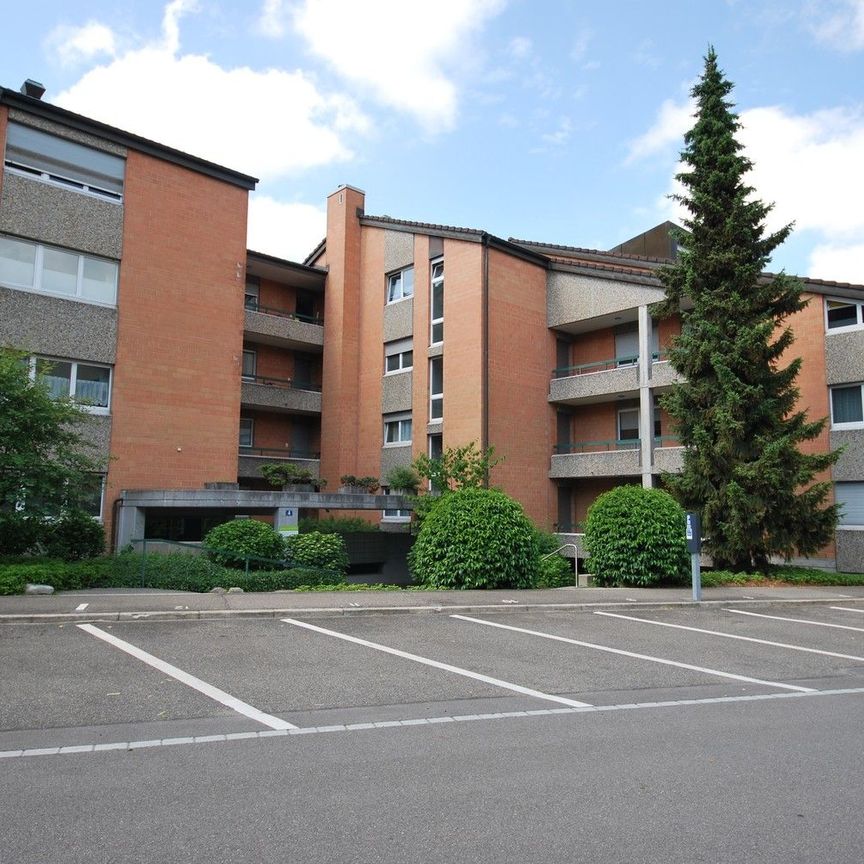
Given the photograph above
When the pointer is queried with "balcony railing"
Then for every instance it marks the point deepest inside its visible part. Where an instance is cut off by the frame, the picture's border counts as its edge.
(605, 365)
(598, 446)
(283, 383)
(254, 306)
(278, 453)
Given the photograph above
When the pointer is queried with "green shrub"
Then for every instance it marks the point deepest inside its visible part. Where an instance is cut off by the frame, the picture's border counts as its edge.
(244, 537)
(19, 534)
(553, 571)
(336, 525)
(323, 551)
(12, 580)
(285, 473)
(635, 536)
(475, 538)
(403, 477)
(74, 536)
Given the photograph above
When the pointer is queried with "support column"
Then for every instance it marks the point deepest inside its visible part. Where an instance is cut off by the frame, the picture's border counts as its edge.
(646, 400)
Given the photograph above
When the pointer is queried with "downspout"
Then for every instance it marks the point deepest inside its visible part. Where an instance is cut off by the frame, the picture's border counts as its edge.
(484, 342)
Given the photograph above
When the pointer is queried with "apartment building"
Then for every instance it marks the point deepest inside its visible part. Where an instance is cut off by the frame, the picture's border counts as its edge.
(124, 272)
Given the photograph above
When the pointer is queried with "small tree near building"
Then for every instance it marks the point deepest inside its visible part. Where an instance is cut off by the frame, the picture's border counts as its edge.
(45, 469)
(736, 408)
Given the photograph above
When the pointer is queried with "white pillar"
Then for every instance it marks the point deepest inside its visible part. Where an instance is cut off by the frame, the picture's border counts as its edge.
(646, 400)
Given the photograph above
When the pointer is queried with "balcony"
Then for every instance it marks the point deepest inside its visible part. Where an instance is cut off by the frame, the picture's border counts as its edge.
(613, 458)
(595, 382)
(282, 395)
(251, 459)
(668, 455)
(271, 326)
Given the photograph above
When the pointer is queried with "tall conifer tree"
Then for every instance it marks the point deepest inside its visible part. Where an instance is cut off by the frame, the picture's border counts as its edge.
(736, 411)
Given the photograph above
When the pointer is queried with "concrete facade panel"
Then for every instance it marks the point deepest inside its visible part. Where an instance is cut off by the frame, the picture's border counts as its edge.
(850, 551)
(844, 357)
(391, 457)
(594, 384)
(283, 331)
(850, 465)
(280, 398)
(60, 217)
(398, 250)
(399, 317)
(62, 131)
(669, 459)
(57, 327)
(396, 392)
(611, 463)
(97, 432)
(664, 375)
(250, 466)
(572, 297)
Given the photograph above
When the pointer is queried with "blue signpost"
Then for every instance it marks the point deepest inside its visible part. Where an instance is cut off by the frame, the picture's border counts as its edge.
(693, 533)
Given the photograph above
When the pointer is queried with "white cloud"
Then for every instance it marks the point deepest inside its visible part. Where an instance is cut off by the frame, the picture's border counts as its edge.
(271, 21)
(673, 120)
(520, 47)
(837, 23)
(401, 52)
(267, 123)
(839, 263)
(284, 229)
(74, 45)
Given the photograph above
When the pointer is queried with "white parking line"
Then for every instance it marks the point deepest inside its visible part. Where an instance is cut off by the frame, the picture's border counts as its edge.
(632, 654)
(452, 720)
(732, 636)
(796, 620)
(467, 673)
(847, 609)
(81, 607)
(209, 690)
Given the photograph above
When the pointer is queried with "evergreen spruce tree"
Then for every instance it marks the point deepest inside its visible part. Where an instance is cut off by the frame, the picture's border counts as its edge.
(735, 411)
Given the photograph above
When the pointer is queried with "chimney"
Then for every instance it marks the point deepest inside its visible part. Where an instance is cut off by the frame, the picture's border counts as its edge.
(32, 88)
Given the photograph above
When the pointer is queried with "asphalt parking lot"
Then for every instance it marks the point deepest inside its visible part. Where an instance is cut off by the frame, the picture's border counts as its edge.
(368, 715)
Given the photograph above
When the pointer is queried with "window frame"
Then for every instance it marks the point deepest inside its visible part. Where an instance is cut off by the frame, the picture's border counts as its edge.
(252, 291)
(436, 396)
(34, 359)
(244, 375)
(399, 348)
(250, 421)
(853, 424)
(16, 161)
(433, 282)
(619, 428)
(839, 497)
(395, 515)
(845, 328)
(398, 420)
(36, 284)
(390, 283)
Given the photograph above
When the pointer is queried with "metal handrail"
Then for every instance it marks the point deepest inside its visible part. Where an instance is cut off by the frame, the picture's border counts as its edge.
(605, 365)
(601, 446)
(284, 313)
(575, 549)
(284, 383)
(278, 452)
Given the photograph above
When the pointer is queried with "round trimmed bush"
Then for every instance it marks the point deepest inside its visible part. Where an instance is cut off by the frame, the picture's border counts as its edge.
(73, 537)
(475, 538)
(316, 549)
(244, 537)
(635, 536)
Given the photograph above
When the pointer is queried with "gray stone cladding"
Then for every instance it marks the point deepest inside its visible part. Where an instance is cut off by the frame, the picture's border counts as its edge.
(590, 385)
(850, 465)
(398, 319)
(61, 131)
(280, 398)
(844, 357)
(606, 463)
(398, 250)
(572, 297)
(663, 375)
(97, 432)
(50, 214)
(287, 332)
(396, 392)
(57, 327)
(850, 551)
(669, 459)
(393, 456)
(250, 466)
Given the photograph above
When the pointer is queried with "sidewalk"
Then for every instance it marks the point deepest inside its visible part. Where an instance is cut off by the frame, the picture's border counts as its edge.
(125, 604)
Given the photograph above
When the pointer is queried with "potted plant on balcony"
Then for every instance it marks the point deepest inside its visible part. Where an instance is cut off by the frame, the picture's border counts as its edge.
(290, 477)
(403, 480)
(350, 483)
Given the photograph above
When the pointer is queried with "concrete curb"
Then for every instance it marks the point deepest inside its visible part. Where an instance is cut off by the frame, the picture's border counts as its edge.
(354, 611)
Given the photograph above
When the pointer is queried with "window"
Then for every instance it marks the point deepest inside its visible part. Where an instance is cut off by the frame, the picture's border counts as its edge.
(397, 429)
(843, 313)
(93, 494)
(397, 515)
(627, 345)
(250, 361)
(400, 285)
(435, 449)
(851, 496)
(87, 384)
(628, 424)
(251, 293)
(247, 431)
(64, 163)
(847, 407)
(34, 267)
(437, 301)
(398, 356)
(436, 388)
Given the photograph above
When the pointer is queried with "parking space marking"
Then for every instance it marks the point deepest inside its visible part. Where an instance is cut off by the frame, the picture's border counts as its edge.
(797, 620)
(203, 687)
(435, 664)
(732, 636)
(455, 719)
(81, 607)
(662, 660)
(847, 609)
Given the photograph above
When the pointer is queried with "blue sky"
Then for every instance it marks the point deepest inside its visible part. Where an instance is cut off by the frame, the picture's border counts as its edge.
(552, 121)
